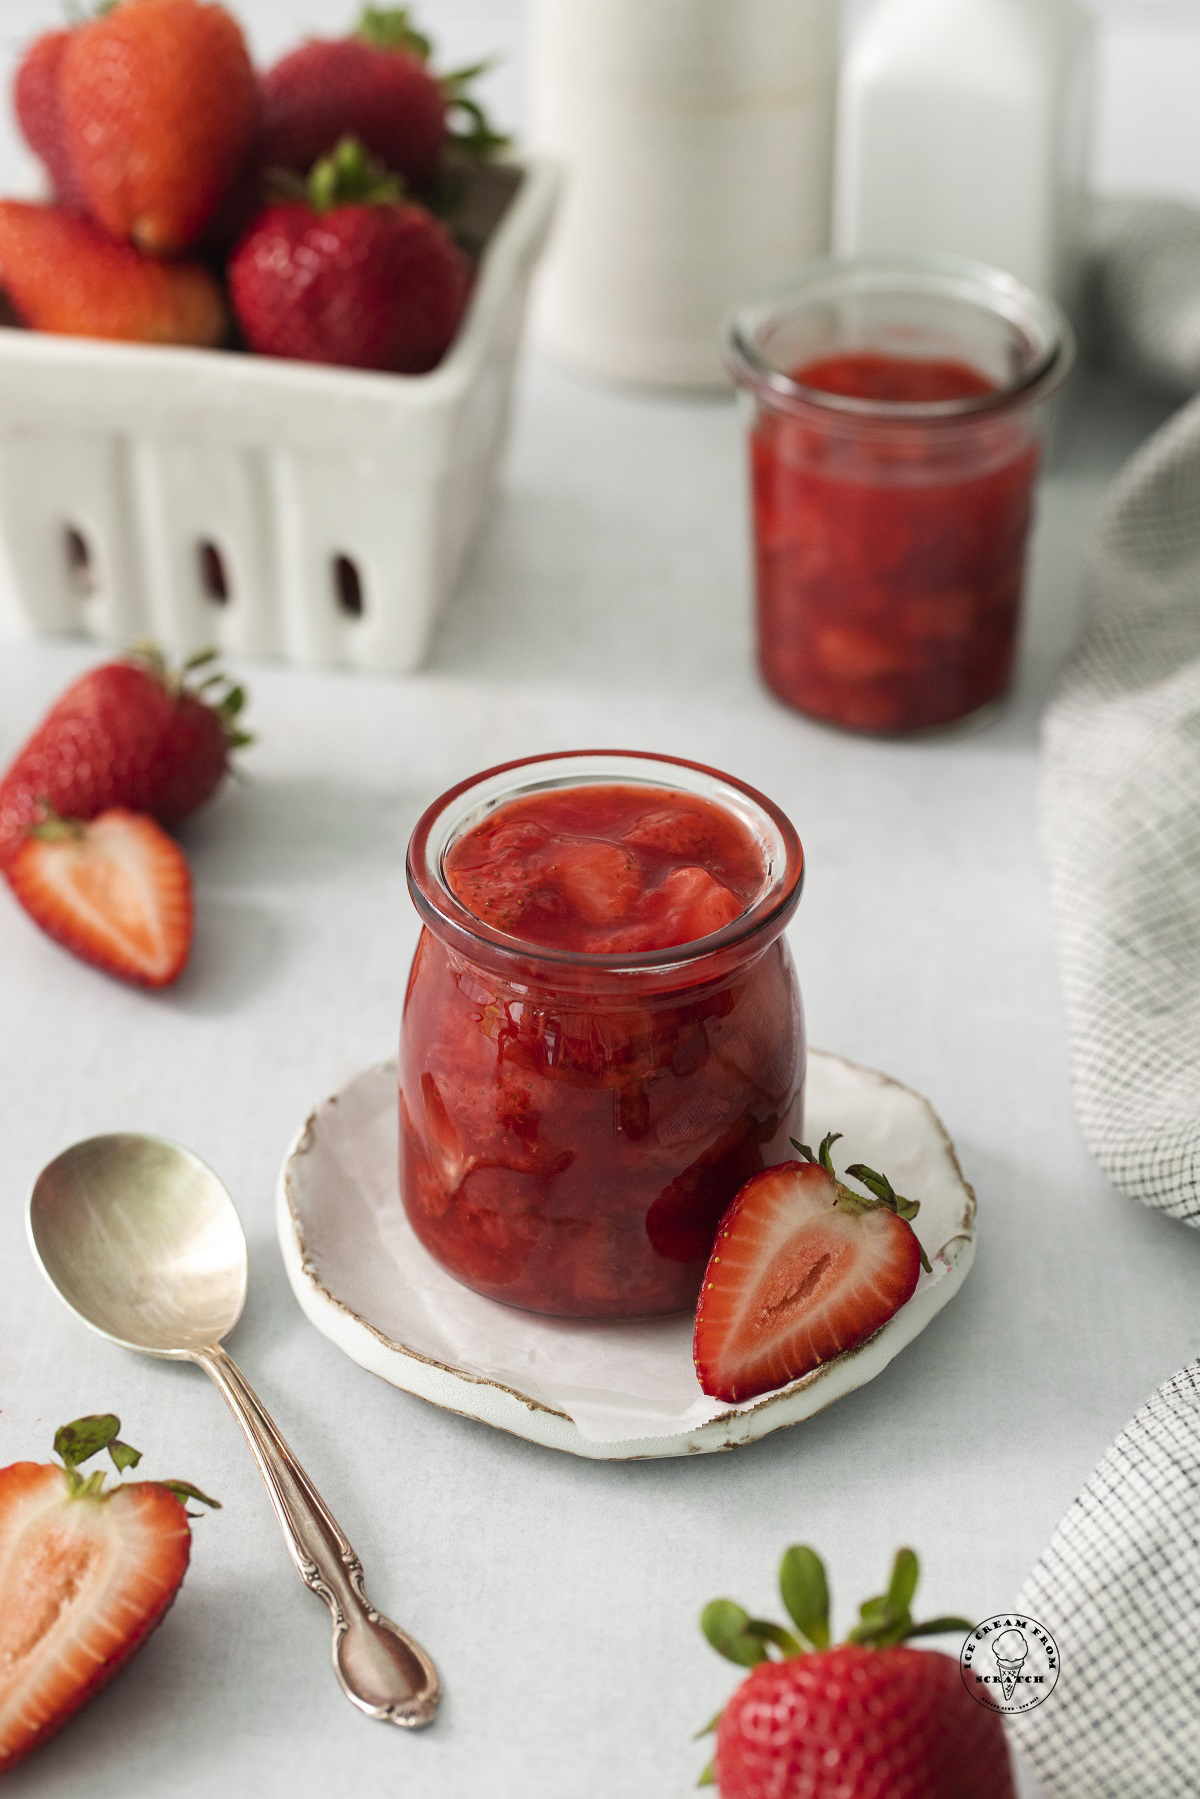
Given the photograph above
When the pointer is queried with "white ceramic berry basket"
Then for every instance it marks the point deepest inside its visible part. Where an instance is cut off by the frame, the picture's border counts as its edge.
(267, 507)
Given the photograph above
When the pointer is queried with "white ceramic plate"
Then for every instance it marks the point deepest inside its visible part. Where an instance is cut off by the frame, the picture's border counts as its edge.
(606, 1390)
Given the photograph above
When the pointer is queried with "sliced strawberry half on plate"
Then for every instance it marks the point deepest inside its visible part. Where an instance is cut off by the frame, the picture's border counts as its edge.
(85, 1575)
(116, 892)
(803, 1268)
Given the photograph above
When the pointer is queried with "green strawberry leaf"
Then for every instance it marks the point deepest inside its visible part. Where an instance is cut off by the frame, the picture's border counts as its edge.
(123, 1455)
(79, 1441)
(391, 28)
(725, 1625)
(184, 1490)
(805, 1591)
(349, 176)
(823, 1155)
(906, 1572)
(763, 1631)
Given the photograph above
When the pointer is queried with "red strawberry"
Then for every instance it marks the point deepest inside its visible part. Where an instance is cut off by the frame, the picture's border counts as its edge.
(376, 86)
(160, 106)
(866, 1720)
(116, 892)
(128, 733)
(62, 273)
(39, 112)
(85, 1575)
(352, 275)
(802, 1269)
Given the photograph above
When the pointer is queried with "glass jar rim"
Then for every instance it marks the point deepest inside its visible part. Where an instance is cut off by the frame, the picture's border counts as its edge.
(941, 275)
(442, 822)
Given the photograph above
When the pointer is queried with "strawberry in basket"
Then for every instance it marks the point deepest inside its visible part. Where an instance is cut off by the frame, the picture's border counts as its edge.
(869, 1718)
(38, 106)
(85, 1576)
(62, 273)
(350, 272)
(376, 85)
(145, 115)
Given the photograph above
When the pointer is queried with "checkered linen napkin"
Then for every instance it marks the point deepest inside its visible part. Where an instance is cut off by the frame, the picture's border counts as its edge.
(1119, 1590)
(1119, 1586)
(1120, 823)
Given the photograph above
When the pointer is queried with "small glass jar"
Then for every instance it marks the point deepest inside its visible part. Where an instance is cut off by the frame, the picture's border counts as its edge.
(573, 1126)
(890, 533)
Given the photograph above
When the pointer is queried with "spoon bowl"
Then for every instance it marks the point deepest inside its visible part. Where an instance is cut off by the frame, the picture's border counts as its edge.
(142, 1241)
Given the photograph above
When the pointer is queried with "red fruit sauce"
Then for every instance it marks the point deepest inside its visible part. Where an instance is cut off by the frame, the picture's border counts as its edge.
(890, 552)
(572, 1136)
(607, 870)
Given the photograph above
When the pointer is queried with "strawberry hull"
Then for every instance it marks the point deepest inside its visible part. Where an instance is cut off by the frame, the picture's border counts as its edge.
(573, 1126)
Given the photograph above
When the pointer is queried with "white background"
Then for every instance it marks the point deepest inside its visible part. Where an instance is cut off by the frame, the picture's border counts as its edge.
(607, 602)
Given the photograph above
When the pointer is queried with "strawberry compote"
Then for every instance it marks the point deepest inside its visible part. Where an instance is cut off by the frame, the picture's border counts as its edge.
(894, 446)
(889, 567)
(602, 1034)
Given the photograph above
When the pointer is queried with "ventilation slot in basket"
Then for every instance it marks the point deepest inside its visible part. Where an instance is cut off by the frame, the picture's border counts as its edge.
(213, 579)
(347, 587)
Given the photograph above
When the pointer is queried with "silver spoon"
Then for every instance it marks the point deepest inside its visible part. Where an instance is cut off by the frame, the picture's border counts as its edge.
(144, 1244)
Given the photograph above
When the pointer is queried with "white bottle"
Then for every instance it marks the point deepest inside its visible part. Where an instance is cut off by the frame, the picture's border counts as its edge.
(698, 141)
(963, 126)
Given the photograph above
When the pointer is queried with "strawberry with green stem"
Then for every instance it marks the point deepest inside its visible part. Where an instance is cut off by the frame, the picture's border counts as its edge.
(803, 1269)
(376, 85)
(131, 733)
(350, 272)
(865, 1719)
(86, 1573)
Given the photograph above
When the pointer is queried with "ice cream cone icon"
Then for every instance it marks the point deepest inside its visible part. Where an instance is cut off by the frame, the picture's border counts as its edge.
(1009, 1652)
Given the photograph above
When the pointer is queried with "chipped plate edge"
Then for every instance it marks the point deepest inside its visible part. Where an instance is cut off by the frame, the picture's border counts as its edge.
(508, 1409)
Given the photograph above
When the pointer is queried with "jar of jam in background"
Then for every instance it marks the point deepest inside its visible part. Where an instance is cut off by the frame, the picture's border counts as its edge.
(895, 413)
(575, 1120)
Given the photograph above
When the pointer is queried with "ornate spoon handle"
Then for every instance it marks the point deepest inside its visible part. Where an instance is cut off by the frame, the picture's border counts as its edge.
(381, 1669)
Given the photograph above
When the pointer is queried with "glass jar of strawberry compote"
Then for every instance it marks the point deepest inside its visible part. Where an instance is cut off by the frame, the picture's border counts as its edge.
(602, 1034)
(895, 427)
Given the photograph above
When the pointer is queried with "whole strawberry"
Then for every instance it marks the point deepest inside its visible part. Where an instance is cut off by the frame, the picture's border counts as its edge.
(375, 85)
(129, 734)
(62, 273)
(160, 110)
(867, 1719)
(38, 106)
(350, 274)
(85, 1576)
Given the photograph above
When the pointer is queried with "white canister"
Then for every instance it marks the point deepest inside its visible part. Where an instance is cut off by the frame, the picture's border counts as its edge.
(697, 136)
(963, 127)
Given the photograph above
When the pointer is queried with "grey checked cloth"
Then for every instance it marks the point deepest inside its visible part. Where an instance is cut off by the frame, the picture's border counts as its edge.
(1119, 1590)
(1119, 1586)
(1120, 824)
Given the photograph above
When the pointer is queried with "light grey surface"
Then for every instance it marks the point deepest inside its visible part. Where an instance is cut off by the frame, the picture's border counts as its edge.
(607, 603)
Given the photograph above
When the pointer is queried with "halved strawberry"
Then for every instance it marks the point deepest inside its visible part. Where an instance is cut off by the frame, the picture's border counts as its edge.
(802, 1269)
(116, 892)
(85, 1575)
